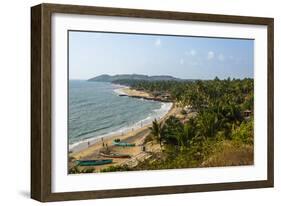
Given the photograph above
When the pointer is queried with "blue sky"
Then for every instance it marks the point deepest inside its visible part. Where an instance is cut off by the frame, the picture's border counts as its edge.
(93, 53)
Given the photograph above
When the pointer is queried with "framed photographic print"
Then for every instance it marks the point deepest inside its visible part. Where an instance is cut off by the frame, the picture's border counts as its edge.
(132, 102)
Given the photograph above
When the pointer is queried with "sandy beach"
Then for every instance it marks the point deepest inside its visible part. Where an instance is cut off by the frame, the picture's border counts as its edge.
(132, 92)
(136, 136)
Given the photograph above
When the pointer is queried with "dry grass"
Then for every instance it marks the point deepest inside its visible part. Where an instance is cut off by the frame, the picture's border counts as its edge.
(230, 154)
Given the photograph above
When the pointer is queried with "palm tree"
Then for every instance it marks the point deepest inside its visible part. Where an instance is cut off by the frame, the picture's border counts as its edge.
(156, 131)
(185, 135)
(207, 124)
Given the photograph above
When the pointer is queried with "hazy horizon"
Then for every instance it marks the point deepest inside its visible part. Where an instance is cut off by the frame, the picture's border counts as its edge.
(96, 53)
(162, 75)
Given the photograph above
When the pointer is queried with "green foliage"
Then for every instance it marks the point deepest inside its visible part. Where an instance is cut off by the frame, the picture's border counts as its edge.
(207, 124)
(172, 129)
(116, 168)
(76, 170)
(245, 133)
(157, 131)
(218, 135)
(200, 94)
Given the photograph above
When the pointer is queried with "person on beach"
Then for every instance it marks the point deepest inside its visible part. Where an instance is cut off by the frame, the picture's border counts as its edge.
(88, 143)
(102, 142)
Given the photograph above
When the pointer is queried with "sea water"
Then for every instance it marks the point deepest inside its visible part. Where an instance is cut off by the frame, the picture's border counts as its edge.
(96, 110)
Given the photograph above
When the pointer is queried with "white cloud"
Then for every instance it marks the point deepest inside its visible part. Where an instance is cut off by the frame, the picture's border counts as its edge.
(221, 57)
(192, 52)
(181, 61)
(210, 55)
(157, 42)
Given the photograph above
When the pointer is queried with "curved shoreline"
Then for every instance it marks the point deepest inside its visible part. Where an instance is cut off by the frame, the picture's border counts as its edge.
(137, 137)
(142, 124)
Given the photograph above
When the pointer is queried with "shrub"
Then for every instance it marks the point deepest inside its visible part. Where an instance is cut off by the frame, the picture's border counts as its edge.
(245, 133)
(116, 168)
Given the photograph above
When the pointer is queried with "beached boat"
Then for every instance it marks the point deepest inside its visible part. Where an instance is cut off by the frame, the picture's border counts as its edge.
(115, 155)
(93, 162)
(123, 144)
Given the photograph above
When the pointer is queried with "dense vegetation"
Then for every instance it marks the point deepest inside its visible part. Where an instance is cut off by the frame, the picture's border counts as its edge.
(218, 135)
(200, 93)
(77, 170)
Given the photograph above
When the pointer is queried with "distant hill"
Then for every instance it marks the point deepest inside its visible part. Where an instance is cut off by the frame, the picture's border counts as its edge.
(109, 78)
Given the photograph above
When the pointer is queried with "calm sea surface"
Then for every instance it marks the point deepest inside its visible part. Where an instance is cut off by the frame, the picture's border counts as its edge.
(96, 110)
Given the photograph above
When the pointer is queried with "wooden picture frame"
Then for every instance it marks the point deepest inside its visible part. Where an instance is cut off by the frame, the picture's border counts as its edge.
(41, 117)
